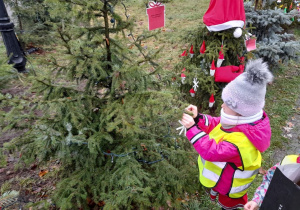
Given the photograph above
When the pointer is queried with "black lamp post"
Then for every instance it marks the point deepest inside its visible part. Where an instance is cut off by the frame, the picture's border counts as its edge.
(13, 47)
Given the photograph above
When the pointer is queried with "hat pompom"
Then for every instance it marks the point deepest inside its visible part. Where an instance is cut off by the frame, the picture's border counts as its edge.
(257, 72)
(237, 33)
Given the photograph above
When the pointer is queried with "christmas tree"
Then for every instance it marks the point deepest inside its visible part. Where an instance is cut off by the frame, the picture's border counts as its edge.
(107, 115)
(212, 51)
(272, 26)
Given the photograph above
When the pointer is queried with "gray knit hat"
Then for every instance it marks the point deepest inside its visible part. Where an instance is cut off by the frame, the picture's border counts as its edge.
(246, 93)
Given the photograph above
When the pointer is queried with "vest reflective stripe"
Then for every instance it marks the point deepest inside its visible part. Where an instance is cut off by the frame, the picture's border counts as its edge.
(210, 172)
(289, 159)
(240, 188)
(244, 174)
(212, 175)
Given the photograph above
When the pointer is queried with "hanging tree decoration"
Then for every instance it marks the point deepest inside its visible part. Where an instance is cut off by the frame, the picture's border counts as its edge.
(183, 78)
(211, 101)
(291, 6)
(212, 68)
(181, 128)
(184, 54)
(156, 15)
(221, 57)
(225, 18)
(192, 51)
(192, 92)
(237, 33)
(202, 48)
(195, 84)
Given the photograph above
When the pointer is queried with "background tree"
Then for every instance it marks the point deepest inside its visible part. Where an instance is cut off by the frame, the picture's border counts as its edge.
(32, 22)
(107, 115)
(272, 27)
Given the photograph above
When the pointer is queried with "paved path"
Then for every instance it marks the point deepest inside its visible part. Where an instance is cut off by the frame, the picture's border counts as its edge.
(292, 132)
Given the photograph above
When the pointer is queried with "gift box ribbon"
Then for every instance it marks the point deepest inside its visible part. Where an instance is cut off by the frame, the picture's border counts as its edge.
(154, 4)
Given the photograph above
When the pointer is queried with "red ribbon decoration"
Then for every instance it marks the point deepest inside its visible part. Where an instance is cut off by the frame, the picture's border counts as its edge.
(154, 4)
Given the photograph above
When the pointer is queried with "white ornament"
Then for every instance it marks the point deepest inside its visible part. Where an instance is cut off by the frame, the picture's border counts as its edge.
(248, 35)
(181, 128)
(237, 33)
(219, 62)
(183, 80)
(196, 82)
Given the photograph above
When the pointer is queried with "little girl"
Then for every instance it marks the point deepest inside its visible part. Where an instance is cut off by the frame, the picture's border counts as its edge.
(230, 146)
(262, 189)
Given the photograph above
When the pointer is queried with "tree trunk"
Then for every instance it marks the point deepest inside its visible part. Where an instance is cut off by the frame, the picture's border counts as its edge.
(108, 52)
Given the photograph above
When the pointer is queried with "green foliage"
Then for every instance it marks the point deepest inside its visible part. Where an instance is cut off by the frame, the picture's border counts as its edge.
(106, 115)
(7, 72)
(199, 66)
(274, 45)
(32, 21)
(2, 158)
(5, 187)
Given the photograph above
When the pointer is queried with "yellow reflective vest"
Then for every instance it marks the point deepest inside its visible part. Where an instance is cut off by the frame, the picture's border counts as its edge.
(289, 159)
(210, 172)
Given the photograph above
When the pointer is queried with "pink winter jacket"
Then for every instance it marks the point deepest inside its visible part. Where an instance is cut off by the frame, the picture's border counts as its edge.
(259, 133)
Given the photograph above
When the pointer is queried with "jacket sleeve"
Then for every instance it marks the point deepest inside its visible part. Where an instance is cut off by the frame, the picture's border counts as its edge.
(209, 150)
(206, 122)
(261, 191)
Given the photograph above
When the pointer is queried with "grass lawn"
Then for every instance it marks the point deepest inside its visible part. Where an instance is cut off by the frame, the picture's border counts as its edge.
(183, 16)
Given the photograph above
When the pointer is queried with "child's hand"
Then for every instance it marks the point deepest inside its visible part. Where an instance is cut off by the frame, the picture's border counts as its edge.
(251, 205)
(193, 109)
(187, 120)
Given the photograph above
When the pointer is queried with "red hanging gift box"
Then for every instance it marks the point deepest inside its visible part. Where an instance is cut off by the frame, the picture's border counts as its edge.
(156, 15)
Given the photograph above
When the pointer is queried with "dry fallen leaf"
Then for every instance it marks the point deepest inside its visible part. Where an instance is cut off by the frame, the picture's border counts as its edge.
(43, 173)
(290, 124)
(101, 203)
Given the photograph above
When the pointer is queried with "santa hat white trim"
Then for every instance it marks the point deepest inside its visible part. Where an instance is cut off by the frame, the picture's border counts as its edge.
(227, 25)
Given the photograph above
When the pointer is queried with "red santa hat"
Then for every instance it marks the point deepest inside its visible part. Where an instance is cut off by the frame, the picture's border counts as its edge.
(184, 53)
(212, 68)
(202, 48)
(224, 14)
(192, 51)
(220, 58)
(211, 100)
(192, 92)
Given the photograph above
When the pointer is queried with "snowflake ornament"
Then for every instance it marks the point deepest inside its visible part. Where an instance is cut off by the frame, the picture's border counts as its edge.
(181, 128)
(196, 82)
